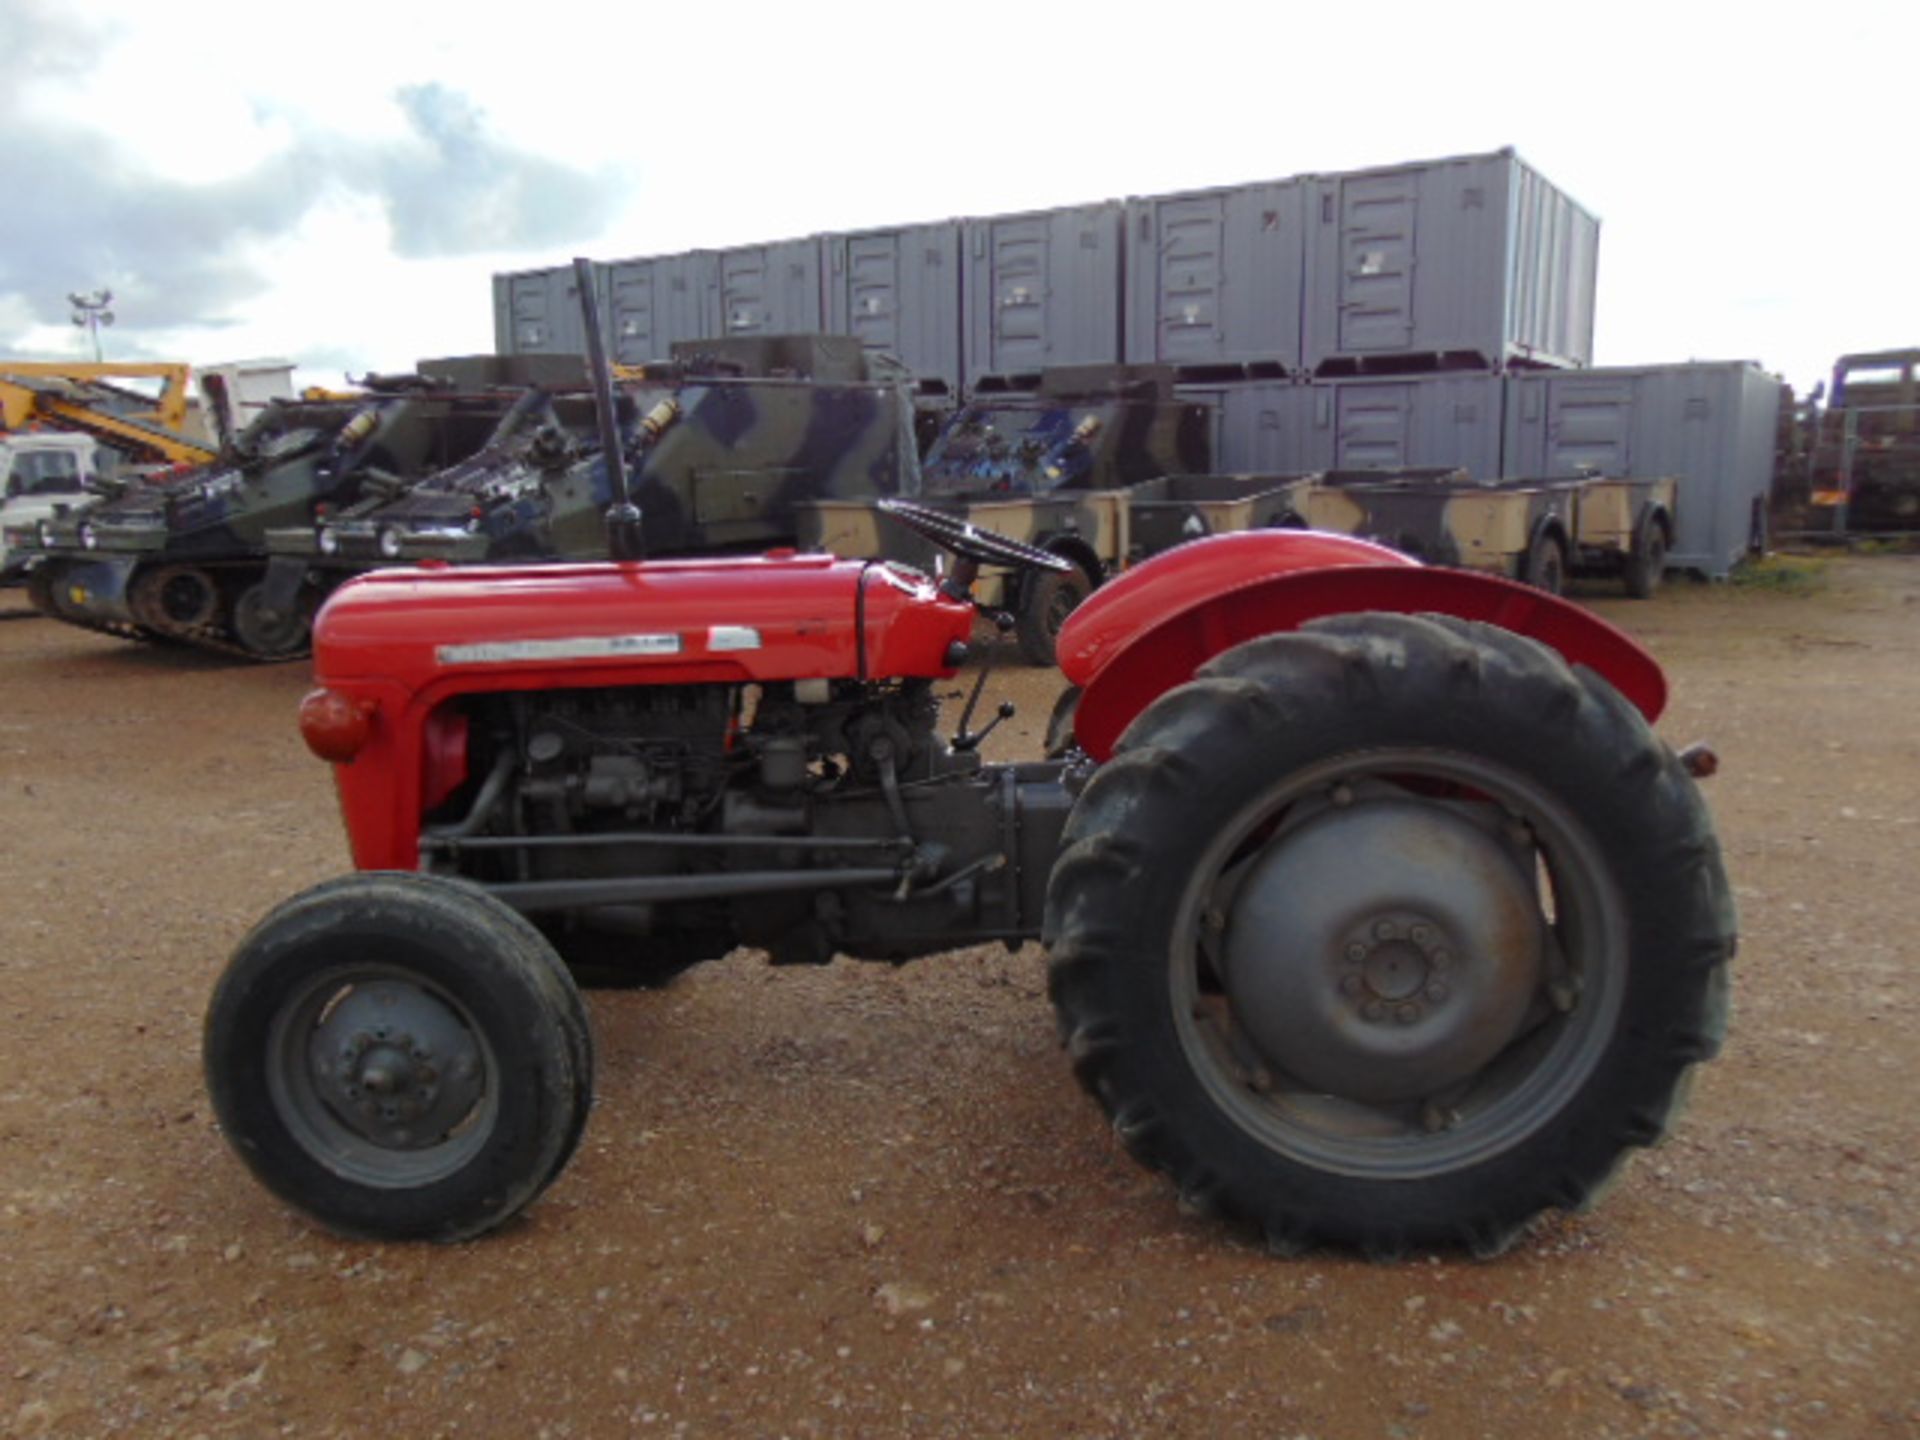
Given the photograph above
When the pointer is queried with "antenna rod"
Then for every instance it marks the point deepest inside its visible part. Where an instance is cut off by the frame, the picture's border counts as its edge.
(623, 516)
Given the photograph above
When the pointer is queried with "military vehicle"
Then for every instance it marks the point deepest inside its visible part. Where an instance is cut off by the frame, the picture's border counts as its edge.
(1100, 531)
(727, 441)
(1865, 461)
(1539, 531)
(1034, 464)
(1378, 914)
(184, 557)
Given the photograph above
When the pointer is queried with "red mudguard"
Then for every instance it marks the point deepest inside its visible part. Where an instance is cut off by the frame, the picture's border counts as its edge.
(1152, 628)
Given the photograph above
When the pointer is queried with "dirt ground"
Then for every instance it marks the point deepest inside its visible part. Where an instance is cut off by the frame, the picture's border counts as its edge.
(865, 1201)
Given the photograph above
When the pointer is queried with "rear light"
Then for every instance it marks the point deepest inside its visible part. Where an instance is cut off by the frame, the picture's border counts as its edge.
(335, 726)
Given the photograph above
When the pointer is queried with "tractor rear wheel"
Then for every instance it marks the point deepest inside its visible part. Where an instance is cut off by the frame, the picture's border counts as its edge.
(1391, 932)
(400, 1056)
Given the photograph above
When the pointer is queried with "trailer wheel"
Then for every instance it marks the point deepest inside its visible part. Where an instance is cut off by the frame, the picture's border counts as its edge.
(1391, 932)
(402, 1057)
(1547, 564)
(1049, 597)
(1648, 562)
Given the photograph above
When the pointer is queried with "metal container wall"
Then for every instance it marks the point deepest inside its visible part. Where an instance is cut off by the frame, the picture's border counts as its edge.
(1042, 289)
(1409, 422)
(1476, 261)
(898, 291)
(1709, 425)
(652, 303)
(537, 312)
(1213, 278)
(768, 289)
(1260, 428)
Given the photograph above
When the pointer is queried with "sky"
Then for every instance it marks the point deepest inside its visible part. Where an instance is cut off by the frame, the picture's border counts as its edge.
(336, 184)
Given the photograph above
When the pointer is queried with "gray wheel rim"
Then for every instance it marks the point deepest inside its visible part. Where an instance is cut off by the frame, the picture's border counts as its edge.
(423, 1061)
(1569, 1016)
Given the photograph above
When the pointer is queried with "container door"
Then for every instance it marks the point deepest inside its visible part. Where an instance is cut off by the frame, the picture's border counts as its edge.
(1589, 427)
(1376, 282)
(873, 291)
(771, 289)
(544, 314)
(1018, 294)
(1191, 271)
(636, 332)
(1371, 426)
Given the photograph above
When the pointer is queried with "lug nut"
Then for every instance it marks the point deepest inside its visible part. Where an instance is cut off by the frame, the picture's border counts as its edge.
(1356, 952)
(1351, 985)
(1407, 1014)
(1436, 993)
(1385, 930)
(1421, 934)
(1375, 1010)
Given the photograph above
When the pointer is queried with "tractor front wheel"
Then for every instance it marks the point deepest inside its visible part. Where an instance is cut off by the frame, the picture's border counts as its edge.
(400, 1056)
(1050, 597)
(1391, 932)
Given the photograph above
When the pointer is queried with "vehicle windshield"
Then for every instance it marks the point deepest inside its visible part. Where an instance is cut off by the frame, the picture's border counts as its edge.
(44, 472)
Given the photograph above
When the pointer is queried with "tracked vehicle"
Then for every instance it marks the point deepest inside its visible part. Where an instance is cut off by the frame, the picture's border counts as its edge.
(1377, 913)
(183, 558)
(726, 443)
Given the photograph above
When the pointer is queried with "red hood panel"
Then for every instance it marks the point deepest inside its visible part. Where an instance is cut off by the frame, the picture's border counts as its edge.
(763, 617)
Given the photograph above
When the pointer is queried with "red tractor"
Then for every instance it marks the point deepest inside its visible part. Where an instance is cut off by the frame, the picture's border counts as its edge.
(1377, 914)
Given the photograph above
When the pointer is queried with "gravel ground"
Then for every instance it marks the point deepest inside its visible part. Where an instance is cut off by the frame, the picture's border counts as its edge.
(859, 1200)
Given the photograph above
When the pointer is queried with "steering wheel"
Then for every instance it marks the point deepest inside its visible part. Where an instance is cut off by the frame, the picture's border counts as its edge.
(970, 542)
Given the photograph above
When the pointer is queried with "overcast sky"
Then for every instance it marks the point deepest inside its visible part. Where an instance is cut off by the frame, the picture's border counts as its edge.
(336, 183)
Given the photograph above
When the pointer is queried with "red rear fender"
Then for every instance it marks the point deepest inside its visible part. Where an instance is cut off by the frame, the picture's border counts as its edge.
(1147, 637)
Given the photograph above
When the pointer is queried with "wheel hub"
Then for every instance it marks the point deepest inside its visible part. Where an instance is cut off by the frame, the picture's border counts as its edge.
(1383, 951)
(395, 1065)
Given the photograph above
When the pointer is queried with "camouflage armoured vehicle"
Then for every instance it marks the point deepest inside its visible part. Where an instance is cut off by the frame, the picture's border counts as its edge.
(725, 442)
(184, 557)
(1539, 531)
(1046, 466)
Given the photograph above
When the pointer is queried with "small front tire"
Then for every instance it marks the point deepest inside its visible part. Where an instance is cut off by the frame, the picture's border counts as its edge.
(400, 1056)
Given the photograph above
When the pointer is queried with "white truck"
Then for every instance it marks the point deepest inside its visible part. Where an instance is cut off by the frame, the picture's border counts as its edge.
(42, 474)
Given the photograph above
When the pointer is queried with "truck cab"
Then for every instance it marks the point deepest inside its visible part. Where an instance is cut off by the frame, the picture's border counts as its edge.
(41, 475)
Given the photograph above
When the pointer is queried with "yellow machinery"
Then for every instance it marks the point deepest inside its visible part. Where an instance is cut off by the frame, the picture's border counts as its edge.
(63, 395)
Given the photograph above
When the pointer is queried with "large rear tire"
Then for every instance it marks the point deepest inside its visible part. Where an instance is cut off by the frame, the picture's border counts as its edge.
(1394, 931)
(400, 1056)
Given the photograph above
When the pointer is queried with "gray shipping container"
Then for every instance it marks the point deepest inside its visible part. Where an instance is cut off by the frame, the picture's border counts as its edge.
(1042, 289)
(653, 303)
(537, 312)
(1213, 278)
(1409, 422)
(1709, 425)
(898, 291)
(768, 290)
(1260, 428)
(1470, 261)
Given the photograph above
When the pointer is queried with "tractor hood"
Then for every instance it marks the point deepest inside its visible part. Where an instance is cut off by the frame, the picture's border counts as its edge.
(771, 617)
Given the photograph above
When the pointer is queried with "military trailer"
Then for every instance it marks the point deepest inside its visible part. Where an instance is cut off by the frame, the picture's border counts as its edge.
(1099, 532)
(1539, 531)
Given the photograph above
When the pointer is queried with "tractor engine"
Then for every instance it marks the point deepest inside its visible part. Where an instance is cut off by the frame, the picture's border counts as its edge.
(792, 815)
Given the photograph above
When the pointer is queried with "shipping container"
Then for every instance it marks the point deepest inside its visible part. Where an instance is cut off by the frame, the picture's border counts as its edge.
(1409, 422)
(652, 303)
(1042, 289)
(1709, 425)
(1261, 428)
(1475, 262)
(537, 312)
(768, 289)
(898, 291)
(1213, 280)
